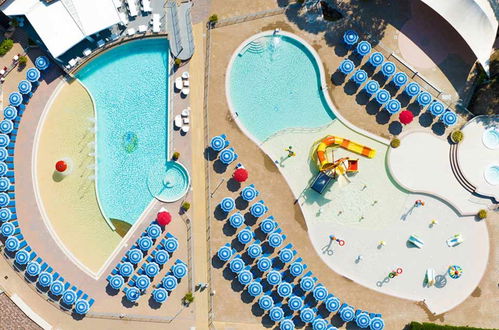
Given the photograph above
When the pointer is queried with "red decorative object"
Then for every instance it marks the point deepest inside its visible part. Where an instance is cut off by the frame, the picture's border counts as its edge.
(164, 218)
(240, 175)
(406, 117)
(61, 166)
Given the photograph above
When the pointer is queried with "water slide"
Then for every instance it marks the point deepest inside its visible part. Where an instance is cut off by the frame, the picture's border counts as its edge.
(331, 140)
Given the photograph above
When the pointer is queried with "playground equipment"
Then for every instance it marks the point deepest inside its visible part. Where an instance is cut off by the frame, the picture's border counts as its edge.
(430, 277)
(416, 241)
(455, 240)
(395, 272)
(334, 238)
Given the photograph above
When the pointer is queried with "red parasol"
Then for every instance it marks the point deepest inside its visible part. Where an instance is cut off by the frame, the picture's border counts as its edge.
(61, 166)
(164, 218)
(406, 117)
(240, 175)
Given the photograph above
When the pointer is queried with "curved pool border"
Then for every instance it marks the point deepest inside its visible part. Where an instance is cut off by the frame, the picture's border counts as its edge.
(189, 181)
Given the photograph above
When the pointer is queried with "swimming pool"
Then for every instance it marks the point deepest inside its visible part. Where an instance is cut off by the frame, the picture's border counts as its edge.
(274, 83)
(490, 138)
(168, 182)
(129, 85)
(491, 174)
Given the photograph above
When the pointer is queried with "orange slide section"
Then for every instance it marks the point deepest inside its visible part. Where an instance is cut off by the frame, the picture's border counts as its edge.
(331, 140)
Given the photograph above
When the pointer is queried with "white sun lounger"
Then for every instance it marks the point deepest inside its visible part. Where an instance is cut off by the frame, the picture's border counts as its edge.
(117, 3)
(100, 43)
(186, 112)
(185, 128)
(416, 241)
(132, 8)
(179, 84)
(146, 6)
(186, 120)
(130, 31)
(87, 52)
(123, 18)
(142, 28)
(185, 75)
(186, 83)
(185, 91)
(455, 240)
(177, 121)
(430, 276)
(114, 37)
(72, 62)
(156, 24)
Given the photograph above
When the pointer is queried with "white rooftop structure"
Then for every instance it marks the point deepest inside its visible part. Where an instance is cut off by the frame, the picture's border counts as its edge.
(474, 20)
(62, 24)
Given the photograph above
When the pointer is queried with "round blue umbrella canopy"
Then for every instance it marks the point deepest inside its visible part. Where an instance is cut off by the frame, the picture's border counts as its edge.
(245, 277)
(274, 277)
(145, 243)
(350, 37)
(227, 156)
(15, 99)
(266, 302)
(57, 288)
(307, 315)
(296, 269)
(5, 214)
(33, 74)
(133, 294)
(449, 118)
(363, 320)
(82, 307)
(171, 244)
(424, 98)
(376, 59)
(276, 314)
(41, 63)
(24, 87)
(393, 106)
(412, 89)
(135, 256)
(382, 96)
(275, 240)
(436, 108)
(160, 295)
(227, 204)
(69, 297)
(161, 257)
(45, 279)
(388, 68)
(264, 264)
(245, 236)
(284, 289)
(287, 324)
(332, 304)
(4, 154)
(258, 209)
(22, 257)
(267, 225)
(372, 87)
(254, 250)
(400, 79)
(169, 282)
(10, 113)
(116, 281)
(4, 140)
(320, 293)
(377, 323)
(249, 193)
(217, 143)
(359, 76)
(319, 324)
(295, 303)
(12, 244)
(179, 270)
(142, 282)
(255, 289)
(307, 283)
(126, 269)
(236, 220)
(154, 231)
(347, 66)
(7, 229)
(347, 314)
(224, 253)
(363, 48)
(151, 269)
(6, 126)
(33, 268)
(4, 199)
(236, 265)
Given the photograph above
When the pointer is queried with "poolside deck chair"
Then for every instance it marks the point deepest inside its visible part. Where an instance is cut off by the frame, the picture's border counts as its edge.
(169, 235)
(91, 302)
(185, 129)
(185, 91)
(177, 122)
(130, 32)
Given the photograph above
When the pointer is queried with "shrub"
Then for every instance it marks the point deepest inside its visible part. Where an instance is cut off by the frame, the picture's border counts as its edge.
(431, 326)
(178, 62)
(188, 298)
(395, 143)
(186, 206)
(213, 19)
(23, 60)
(482, 214)
(457, 136)
(176, 155)
(5, 46)
(14, 22)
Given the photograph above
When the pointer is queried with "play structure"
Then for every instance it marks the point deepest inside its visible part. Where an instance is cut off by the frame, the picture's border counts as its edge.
(330, 168)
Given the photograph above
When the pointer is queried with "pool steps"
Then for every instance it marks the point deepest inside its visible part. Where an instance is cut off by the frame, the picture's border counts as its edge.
(257, 46)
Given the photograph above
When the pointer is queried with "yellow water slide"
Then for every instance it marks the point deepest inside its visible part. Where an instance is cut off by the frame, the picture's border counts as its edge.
(331, 140)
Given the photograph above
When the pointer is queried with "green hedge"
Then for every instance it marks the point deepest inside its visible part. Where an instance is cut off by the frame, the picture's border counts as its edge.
(5, 46)
(431, 326)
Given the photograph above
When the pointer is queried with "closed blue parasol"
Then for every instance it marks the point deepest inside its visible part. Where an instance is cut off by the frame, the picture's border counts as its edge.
(4, 198)
(372, 87)
(12, 244)
(224, 253)
(286, 255)
(377, 323)
(15, 99)
(245, 277)
(296, 269)
(22, 257)
(4, 140)
(295, 303)
(142, 282)
(255, 289)
(236, 265)
(10, 113)
(319, 324)
(436, 108)
(449, 118)
(154, 231)
(135, 256)
(245, 236)
(57, 288)
(116, 281)
(287, 324)
(412, 89)
(284, 289)
(236, 220)
(169, 282)
(227, 156)
(347, 314)
(7, 229)
(376, 59)
(179, 270)
(264, 264)
(266, 302)
(424, 98)
(24, 87)
(4, 182)
(400, 79)
(363, 48)
(227, 204)
(255, 250)
(388, 69)
(307, 315)
(33, 268)
(268, 225)
(126, 269)
(393, 106)
(350, 37)
(161, 257)
(82, 307)
(41, 63)
(145, 243)
(160, 295)
(69, 297)
(346, 66)
(258, 209)
(275, 240)
(249, 193)
(45, 279)
(151, 269)
(5, 215)
(33, 74)
(333, 304)
(274, 277)
(171, 244)
(307, 283)
(217, 143)
(6, 126)
(382, 96)
(320, 293)
(363, 320)
(132, 294)
(276, 314)
(359, 76)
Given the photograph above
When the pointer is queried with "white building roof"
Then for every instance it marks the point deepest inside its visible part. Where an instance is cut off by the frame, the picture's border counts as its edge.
(474, 20)
(62, 24)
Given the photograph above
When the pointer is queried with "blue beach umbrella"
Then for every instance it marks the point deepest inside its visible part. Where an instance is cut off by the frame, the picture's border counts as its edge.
(33, 268)
(412, 89)
(255, 289)
(57, 288)
(359, 76)
(154, 231)
(217, 143)
(6, 126)
(296, 269)
(346, 66)
(116, 281)
(424, 98)
(274, 277)
(4, 199)
(388, 69)
(236, 220)
(284, 289)
(307, 283)
(400, 79)
(236, 265)
(41, 63)
(276, 314)
(319, 324)
(179, 270)
(161, 257)
(254, 250)
(4, 182)
(275, 240)
(363, 48)
(142, 282)
(33, 74)
(169, 282)
(15, 99)
(4, 154)
(377, 323)
(7, 229)
(307, 315)
(245, 277)
(224, 253)
(245, 236)
(10, 113)
(268, 225)
(160, 295)
(151, 269)
(227, 204)
(333, 304)
(171, 244)
(295, 303)
(126, 269)
(436, 108)
(82, 307)
(69, 297)
(135, 256)
(347, 314)
(449, 118)
(22, 257)
(363, 320)
(12, 244)
(145, 243)
(132, 294)
(5, 215)
(258, 209)
(382, 96)
(266, 302)
(350, 37)
(4, 140)
(287, 324)
(376, 59)
(393, 106)
(45, 279)
(320, 293)
(264, 264)
(372, 87)
(249, 193)
(24, 87)
(227, 156)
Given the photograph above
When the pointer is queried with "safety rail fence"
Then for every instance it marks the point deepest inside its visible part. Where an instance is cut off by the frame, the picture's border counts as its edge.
(249, 17)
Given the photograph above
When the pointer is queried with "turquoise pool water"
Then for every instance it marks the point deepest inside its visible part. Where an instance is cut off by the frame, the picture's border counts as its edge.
(168, 182)
(492, 174)
(275, 84)
(129, 85)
